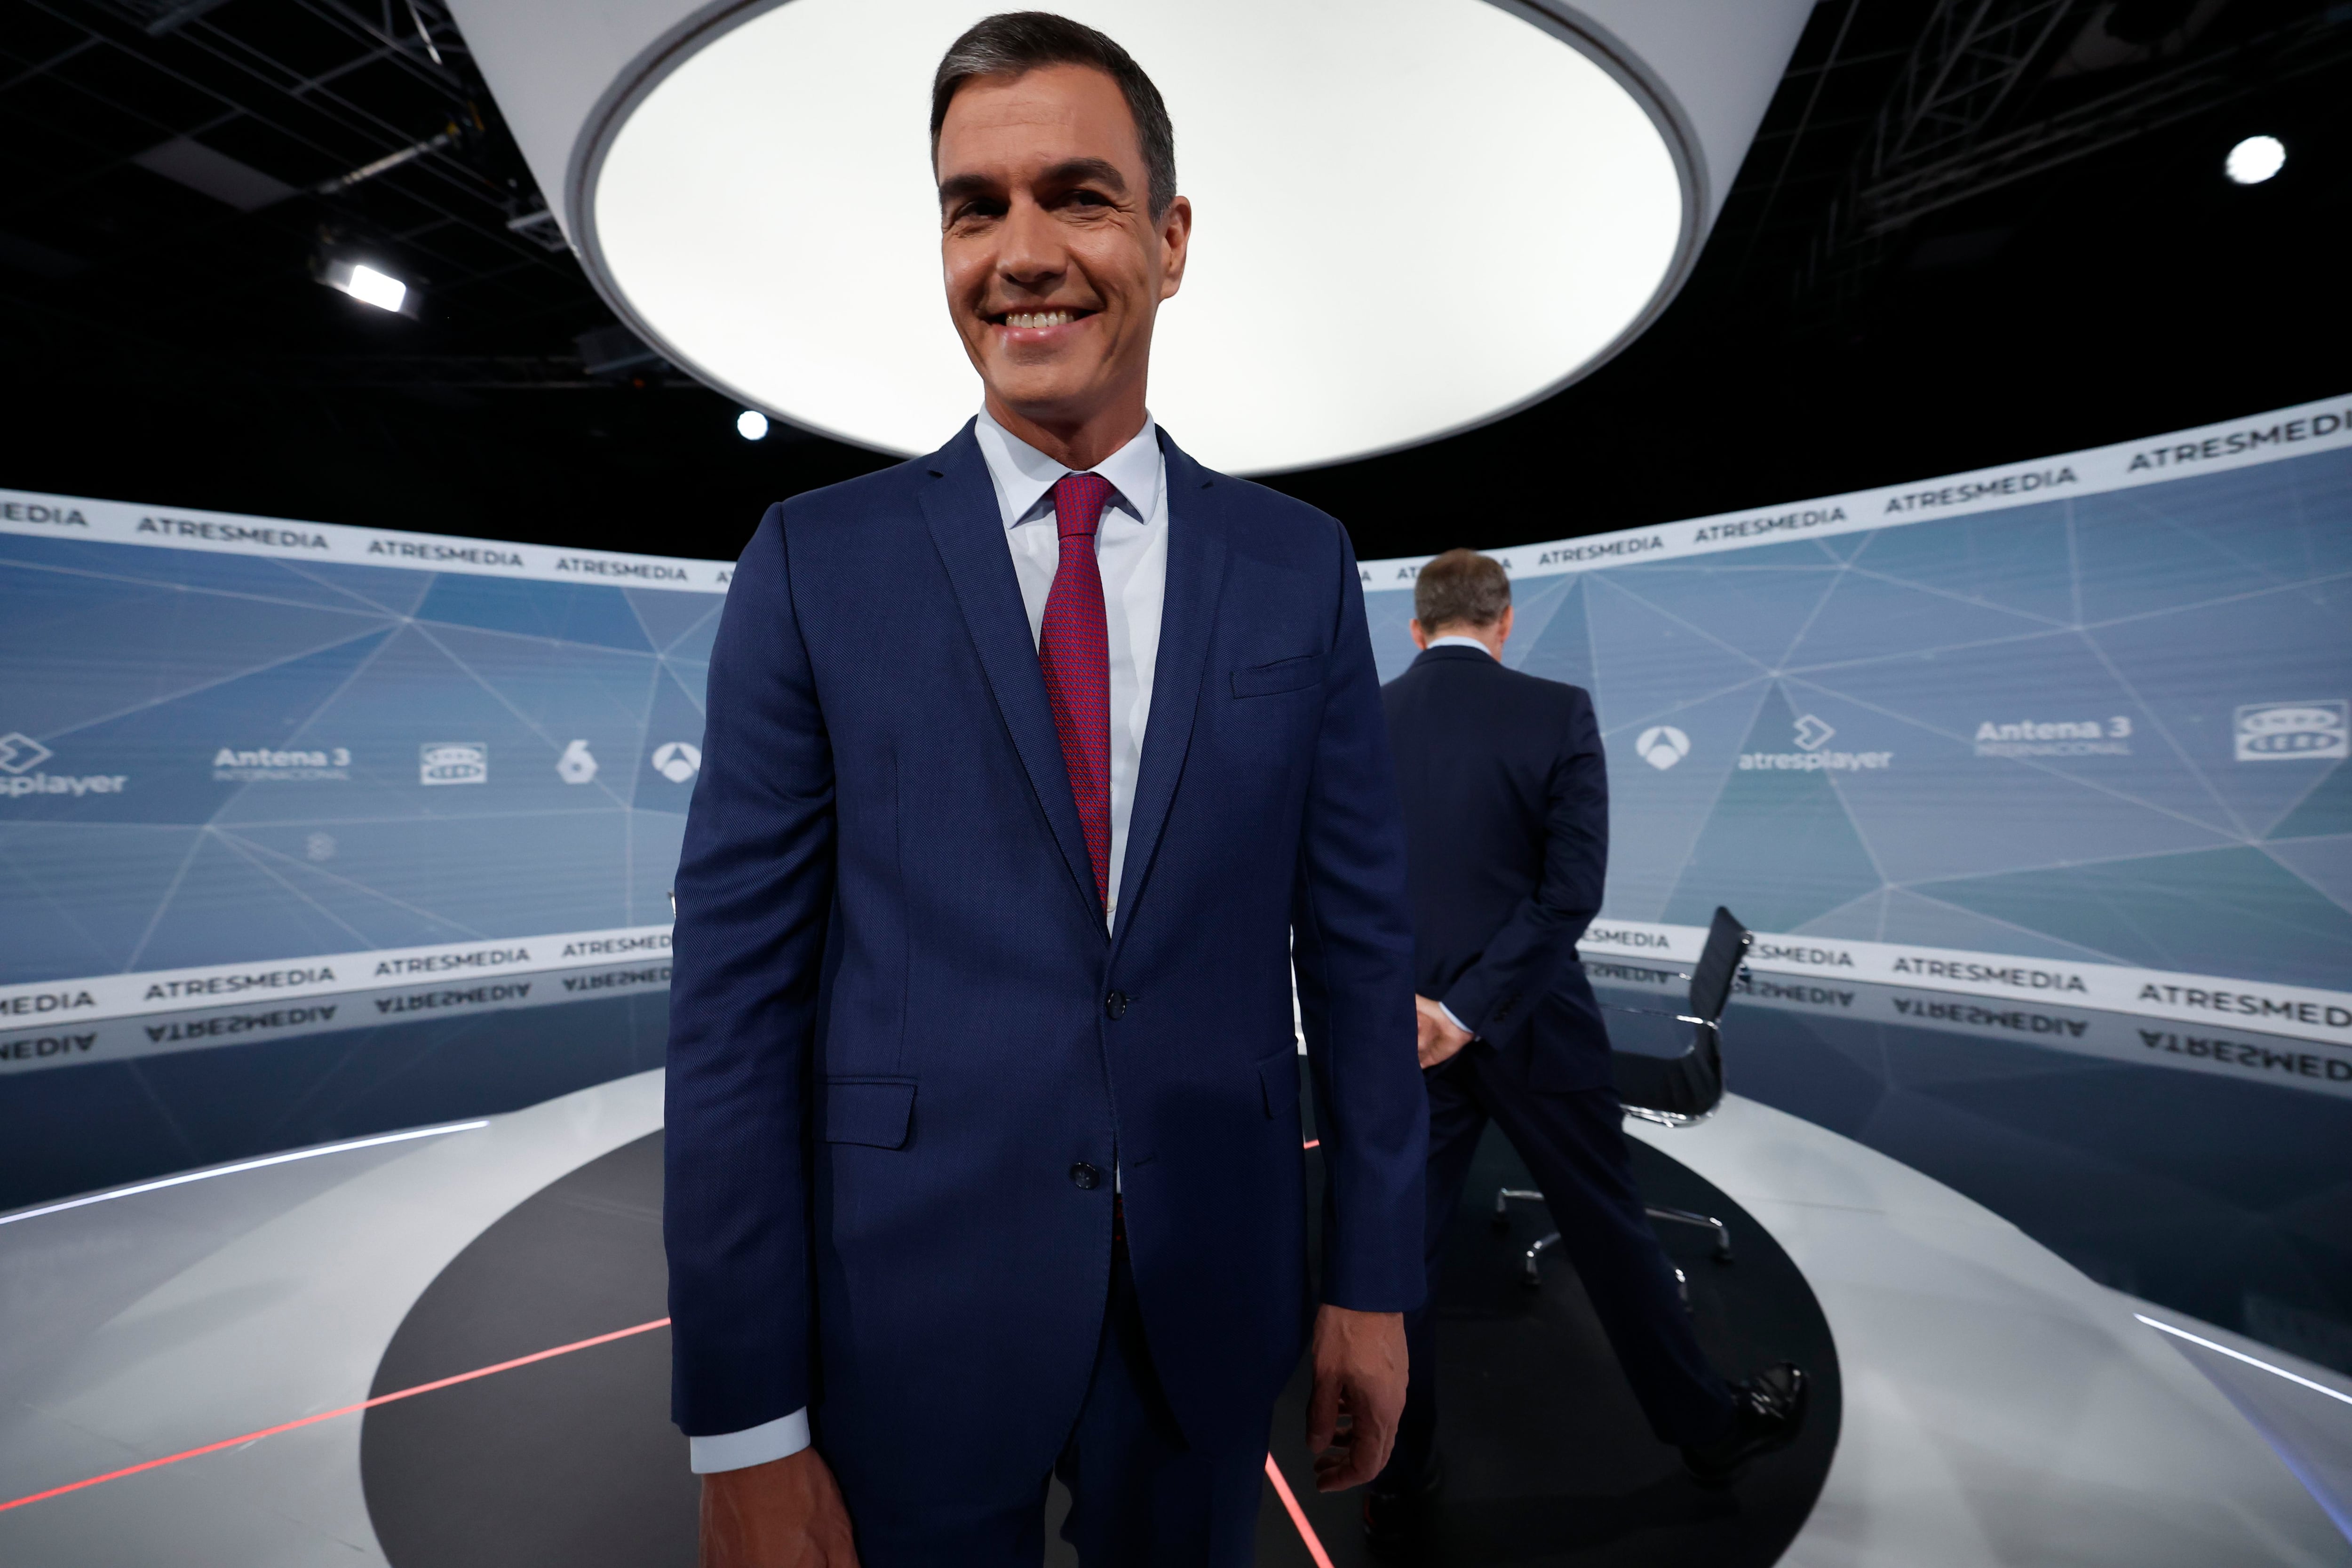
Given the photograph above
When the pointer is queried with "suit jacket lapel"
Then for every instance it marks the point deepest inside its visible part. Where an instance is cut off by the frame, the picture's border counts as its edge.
(1196, 573)
(969, 532)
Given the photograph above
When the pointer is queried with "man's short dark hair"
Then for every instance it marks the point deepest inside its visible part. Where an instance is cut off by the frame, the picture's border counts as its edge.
(1014, 43)
(1460, 588)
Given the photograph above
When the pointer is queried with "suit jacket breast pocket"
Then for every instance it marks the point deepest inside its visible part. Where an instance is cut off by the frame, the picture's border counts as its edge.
(1282, 675)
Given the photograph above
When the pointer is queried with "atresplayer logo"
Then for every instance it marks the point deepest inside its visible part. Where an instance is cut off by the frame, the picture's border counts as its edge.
(20, 755)
(453, 763)
(20, 752)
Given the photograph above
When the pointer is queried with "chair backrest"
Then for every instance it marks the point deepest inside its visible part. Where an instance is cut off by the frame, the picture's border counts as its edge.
(1727, 942)
(1686, 1090)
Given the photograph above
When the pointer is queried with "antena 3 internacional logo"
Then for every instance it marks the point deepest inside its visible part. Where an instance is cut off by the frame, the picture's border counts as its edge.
(1814, 752)
(453, 763)
(21, 757)
(2292, 732)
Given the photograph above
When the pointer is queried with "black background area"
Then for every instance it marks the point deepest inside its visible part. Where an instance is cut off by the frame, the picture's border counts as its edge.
(572, 1461)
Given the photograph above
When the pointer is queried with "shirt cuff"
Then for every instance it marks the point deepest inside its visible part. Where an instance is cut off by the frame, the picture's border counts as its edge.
(777, 1439)
(1452, 1019)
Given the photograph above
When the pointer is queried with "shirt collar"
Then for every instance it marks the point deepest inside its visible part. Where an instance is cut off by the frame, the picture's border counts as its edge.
(1436, 643)
(1024, 476)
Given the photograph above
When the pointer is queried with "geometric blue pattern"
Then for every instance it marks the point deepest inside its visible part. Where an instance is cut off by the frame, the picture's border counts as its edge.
(2151, 617)
(145, 664)
(2014, 732)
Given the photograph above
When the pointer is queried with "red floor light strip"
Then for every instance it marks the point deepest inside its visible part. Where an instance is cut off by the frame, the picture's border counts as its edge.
(1272, 1472)
(1297, 1515)
(330, 1415)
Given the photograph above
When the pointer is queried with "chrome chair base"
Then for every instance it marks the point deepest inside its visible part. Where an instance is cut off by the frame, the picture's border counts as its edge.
(1532, 1274)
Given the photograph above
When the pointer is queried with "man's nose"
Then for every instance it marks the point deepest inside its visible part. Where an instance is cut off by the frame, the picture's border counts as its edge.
(1032, 254)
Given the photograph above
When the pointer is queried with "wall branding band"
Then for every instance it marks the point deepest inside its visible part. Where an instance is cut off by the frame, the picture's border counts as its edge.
(266, 998)
(2211, 448)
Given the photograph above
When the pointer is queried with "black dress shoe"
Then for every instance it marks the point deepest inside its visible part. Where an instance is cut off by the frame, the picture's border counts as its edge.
(1400, 1524)
(1767, 1411)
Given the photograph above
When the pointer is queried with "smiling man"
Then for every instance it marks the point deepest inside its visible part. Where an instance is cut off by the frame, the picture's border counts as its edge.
(1032, 769)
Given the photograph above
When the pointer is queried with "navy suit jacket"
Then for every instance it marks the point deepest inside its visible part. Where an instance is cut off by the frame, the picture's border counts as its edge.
(893, 1026)
(1507, 819)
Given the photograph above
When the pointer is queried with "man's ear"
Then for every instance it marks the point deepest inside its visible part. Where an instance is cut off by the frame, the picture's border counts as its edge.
(1503, 626)
(1420, 637)
(1175, 243)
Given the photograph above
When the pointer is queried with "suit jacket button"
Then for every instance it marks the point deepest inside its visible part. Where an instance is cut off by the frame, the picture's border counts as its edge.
(1084, 1177)
(1116, 1004)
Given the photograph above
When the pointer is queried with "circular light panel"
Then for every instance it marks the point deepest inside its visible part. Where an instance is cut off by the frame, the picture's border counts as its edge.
(1409, 217)
(2255, 159)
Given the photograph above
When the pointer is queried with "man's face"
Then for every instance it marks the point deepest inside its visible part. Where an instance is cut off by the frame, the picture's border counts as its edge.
(1054, 266)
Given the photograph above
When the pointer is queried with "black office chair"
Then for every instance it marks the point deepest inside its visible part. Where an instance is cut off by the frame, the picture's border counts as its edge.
(1673, 1091)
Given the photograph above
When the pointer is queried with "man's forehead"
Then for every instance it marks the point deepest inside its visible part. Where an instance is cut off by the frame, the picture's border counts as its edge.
(1024, 125)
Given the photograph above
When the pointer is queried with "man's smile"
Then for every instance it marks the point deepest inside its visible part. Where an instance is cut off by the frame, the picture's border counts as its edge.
(1038, 326)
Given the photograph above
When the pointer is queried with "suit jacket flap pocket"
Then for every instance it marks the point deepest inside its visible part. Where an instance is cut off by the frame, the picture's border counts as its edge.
(873, 1110)
(1278, 1078)
(1283, 675)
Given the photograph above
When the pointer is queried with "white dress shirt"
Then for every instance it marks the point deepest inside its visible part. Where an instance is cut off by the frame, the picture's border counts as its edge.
(1132, 553)
(1482, 647)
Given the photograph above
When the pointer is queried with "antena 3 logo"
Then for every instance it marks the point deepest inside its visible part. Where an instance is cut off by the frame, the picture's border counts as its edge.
(21, 757)
(2292, 732)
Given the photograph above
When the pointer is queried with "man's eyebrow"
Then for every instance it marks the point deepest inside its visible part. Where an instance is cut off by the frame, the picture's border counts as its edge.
(1069, 171)
(1078, 170)
(957, 186)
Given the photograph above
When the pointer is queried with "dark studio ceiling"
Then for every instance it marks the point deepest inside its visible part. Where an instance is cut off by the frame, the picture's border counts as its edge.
(1969, 231)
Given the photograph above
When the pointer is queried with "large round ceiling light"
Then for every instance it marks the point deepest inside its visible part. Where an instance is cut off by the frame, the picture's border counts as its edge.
(1411, 217)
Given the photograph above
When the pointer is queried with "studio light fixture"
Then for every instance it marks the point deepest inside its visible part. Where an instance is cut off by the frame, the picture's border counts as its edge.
(751, 424)
(2255, 160)
(370, 280)
(1411, 217)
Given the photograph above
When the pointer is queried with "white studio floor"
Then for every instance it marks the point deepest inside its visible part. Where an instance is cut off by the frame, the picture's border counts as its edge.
(2000, 1407)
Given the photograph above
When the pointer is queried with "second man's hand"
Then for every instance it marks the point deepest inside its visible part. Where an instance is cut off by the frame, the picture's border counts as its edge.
(1440, 1037)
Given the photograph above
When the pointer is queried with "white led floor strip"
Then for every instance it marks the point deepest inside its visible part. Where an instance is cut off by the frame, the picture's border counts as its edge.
(2240, 1355)
(241, 1165)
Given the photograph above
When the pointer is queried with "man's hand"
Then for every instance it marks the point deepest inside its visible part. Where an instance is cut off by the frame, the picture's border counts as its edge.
(1360, 1368)
(786, 1514)
(1440, 1037)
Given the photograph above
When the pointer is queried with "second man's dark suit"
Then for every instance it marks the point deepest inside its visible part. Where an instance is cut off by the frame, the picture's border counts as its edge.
(1506, 798)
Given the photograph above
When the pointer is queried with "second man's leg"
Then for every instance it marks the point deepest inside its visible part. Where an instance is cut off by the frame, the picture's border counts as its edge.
(1574, 1142)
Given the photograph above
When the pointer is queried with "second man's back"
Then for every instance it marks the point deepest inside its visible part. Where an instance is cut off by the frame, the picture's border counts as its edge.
(1506, 796)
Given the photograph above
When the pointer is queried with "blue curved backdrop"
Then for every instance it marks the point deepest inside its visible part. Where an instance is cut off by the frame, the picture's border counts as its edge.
(2066, 723)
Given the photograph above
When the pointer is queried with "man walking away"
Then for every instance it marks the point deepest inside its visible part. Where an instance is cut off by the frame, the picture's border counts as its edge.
(1506, 829)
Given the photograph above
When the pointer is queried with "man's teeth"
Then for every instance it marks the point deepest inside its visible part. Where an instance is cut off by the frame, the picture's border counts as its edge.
(1037, 318)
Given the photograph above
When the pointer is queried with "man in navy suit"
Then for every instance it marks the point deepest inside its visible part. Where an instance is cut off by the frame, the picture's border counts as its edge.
(1032, 767)
(1507, 819)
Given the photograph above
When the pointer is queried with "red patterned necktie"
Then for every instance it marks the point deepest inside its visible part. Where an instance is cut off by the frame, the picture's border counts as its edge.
(1075, 651)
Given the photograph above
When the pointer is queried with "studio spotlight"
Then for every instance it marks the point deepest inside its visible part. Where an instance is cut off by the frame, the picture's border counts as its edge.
(751, 424)
(2255, 160)
(368, 281)
(381, 289)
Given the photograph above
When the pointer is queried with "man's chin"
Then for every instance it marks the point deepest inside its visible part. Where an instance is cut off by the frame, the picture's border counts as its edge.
(1048, 396)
